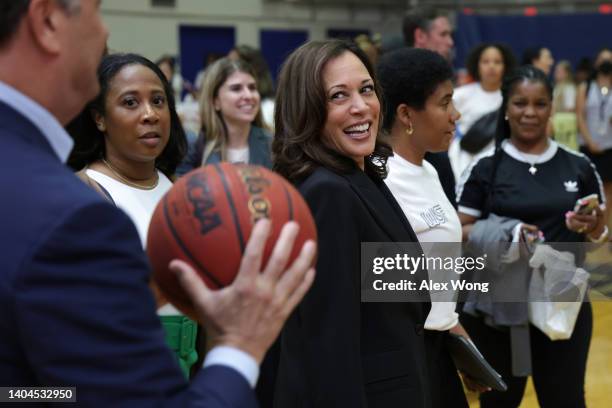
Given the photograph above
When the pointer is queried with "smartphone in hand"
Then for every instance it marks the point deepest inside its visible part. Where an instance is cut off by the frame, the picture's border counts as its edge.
(586, 205)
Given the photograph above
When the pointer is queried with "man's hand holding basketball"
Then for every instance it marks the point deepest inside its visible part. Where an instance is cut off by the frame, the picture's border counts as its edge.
(250, 313)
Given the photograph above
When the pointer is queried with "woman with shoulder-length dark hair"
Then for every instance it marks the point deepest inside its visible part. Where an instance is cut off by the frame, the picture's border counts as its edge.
(335, 350)
(129, 139)
(128, 143)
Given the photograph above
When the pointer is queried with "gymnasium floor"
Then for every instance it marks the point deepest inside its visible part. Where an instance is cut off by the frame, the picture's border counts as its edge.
(599, 365)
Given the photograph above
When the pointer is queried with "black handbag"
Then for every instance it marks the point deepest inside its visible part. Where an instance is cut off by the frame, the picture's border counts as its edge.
(480, 134)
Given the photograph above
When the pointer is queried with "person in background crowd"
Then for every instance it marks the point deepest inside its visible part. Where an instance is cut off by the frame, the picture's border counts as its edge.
(526, 180)
(594, 115)
(539, 57)
(74, 278)
(167, 64)
(207, 60)
(184, 110)
(583, 71)
(263, 77)
(232, 128)
(487, 64)
(337, 351)
(565, 88)
(428, 28)
(565, 128)
(369, 46)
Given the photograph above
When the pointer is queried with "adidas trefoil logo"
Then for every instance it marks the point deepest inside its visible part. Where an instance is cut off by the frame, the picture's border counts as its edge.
(571, 186)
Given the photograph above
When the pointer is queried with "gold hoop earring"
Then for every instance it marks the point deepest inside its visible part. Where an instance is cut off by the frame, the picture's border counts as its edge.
(409, 129)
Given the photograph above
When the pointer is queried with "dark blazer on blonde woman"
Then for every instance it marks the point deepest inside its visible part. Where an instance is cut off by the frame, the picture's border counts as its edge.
(337, 351)
(259, 152)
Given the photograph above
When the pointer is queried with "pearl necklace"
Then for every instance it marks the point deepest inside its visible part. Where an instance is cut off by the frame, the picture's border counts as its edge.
(131, 183)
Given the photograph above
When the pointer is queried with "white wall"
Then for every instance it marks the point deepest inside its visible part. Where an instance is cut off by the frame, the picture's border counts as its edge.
(137, 27)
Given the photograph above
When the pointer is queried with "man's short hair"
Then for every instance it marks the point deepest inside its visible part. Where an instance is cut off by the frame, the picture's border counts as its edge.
(12, 11)
(419, 17)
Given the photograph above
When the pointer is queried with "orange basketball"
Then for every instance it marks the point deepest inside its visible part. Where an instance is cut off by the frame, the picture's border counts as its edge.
(206, 220)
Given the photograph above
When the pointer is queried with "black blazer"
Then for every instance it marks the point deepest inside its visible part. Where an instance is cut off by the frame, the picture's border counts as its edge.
(337, 351)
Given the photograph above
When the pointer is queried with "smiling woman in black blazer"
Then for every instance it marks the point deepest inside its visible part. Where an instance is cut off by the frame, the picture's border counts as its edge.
(335, 350)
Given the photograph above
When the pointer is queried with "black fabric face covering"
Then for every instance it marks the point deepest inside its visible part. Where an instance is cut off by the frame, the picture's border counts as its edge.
(605, 67)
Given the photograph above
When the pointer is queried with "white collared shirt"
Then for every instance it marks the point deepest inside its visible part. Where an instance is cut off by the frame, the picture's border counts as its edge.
(52, 130)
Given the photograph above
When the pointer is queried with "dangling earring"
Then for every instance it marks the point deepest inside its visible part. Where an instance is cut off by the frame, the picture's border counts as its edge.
(409, 129)
(506, 118)
(100, 126)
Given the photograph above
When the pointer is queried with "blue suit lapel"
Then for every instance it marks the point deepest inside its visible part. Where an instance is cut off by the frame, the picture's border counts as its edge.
(20, 126)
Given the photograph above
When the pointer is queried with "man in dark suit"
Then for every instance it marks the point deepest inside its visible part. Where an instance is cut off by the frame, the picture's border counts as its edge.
(76, 309)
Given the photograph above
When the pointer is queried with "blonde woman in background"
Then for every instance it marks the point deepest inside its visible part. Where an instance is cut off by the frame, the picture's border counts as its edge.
(232, 129)
(565, 130)
(263, 77)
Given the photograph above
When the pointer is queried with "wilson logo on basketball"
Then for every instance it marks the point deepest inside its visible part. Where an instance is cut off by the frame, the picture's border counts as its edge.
(202, 199)
(206, 219)
(256, 184)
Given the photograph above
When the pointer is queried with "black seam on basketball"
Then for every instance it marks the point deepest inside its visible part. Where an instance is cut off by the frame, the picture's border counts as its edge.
(230, 201)
(289, 202)
(184, 248)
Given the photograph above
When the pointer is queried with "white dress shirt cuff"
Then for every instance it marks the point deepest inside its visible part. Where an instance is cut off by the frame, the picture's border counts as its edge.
(236, 359)
(469, 211)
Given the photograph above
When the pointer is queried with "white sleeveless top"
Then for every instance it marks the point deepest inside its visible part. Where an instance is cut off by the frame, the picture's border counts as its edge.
(139, 205)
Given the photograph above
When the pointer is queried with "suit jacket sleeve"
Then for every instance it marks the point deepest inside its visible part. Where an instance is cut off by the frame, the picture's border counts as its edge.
(330, 312)
(87, 319)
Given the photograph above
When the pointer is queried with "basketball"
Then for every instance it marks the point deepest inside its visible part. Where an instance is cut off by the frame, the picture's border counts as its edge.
(206, 218)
